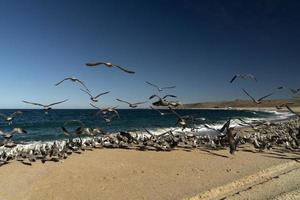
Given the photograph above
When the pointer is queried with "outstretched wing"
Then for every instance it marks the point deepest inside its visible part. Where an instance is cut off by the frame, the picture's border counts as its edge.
(16, 113)
(123, 101)
(86, 92)
(169, 87)
(151, 97)
(235, 76)
(292, 110)
(249, 95)
(169, 95)
(36, 104)
(125, 70)
(152, 84)
(149, 132)
(94, 64)
(175, 113)
(52, 104)
(81, 82)
(102, 94)
(62, 81)
(138, 103)
(95, 106)
(265, 97)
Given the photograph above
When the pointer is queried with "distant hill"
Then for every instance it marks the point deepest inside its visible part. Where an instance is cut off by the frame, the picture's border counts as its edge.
(238, 103)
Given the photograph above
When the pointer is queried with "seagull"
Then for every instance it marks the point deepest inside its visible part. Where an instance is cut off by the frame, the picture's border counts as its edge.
(161, 113)
(73, 79)
(181, 121)
(132, 105)
(298, 115)
(77, 131)
(243, 76)
(259, 100)
(94, 98)
(108, 64)
(10, 118)
(163, 101)
(47, 107)
(160, 89)
(107, 110)
(8, 135)
(294, 91)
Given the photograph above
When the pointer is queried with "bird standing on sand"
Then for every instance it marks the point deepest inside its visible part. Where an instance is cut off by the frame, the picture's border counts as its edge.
(259, 100)
(108, 64)
(9, 118)
(94, 98)
(160, 89)
(73, 79)
(47, 107)
(132, 105)
(243, 76)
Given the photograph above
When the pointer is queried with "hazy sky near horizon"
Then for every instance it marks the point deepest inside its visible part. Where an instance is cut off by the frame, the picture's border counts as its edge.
(196, 45)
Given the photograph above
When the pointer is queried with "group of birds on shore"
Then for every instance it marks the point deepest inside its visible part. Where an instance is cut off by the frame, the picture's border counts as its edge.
(83, 138)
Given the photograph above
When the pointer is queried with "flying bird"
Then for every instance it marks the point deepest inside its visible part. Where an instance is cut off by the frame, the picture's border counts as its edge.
(161, 113)
(9, 118)
(292, 111)
(107, 110)
(77, 131)
(132, 105)
(243, 76)
(259, 100)
(94, 98)
(47, 107)
(73, 79)
(160, 89)
(108, 64)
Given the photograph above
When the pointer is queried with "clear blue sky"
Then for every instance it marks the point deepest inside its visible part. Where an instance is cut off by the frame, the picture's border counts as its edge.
(196, 45)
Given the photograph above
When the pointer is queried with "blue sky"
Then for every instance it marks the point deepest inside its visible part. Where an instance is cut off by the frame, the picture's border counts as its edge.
(196, 45)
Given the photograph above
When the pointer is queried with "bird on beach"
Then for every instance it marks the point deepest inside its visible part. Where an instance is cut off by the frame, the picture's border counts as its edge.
(243, 76)
(73, 79)
(46, 107)
(160, 89)
(131, 105)
(258, 101)
(108, 64)
(94, 98)
(9, 118)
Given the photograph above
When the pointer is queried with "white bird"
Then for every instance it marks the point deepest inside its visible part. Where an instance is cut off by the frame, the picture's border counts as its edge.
(73, 79)
(160, 89)
(46, 107)
(108, 64)
(10, 118)
(94, 98)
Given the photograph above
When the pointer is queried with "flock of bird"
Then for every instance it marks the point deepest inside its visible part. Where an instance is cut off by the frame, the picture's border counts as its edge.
(265, 134)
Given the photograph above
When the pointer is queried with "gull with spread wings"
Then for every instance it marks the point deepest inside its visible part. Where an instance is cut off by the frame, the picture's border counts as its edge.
(258, 101)
(131, 105)
(46, 107)
(108, 64)
(243, 76)
(160, 89)
(73, 79)
(94, 98)
(9, 118)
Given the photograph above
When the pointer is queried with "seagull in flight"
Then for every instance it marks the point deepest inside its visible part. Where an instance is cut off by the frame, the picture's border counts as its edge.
(94, 98)
(243, 76)
(107, 110)
(73, 79)
(161, 113)
(160, 89)
(108, 64)
(77, 131)
(292, 111)
(132, 105)
(9, 118)
(254, 100)
(47, 107)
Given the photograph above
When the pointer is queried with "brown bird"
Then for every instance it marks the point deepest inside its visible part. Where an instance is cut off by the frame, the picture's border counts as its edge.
(108, 64)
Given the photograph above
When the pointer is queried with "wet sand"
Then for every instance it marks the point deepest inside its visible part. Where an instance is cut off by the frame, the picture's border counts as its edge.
(130, 174)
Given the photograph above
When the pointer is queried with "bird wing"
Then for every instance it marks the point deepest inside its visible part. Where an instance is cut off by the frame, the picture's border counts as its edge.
(175, 113)
(123, 101)
(95, 106)
(16, 113)
(18, 130)
(251, 77)
(81, 82)
(265, 96)
(103, 93)
(94, 64)
(138, 103)
(152, 84)
(86, 92)
(292, 110)
(235, 76)
(225, 126)
(169, 95)
(156, 110)
(169, 87)
(37, 104)
(149, 132)
(151, 97)
(52, 104)
(62, 81)
(249, 95)
(3, 115)
(125, 70)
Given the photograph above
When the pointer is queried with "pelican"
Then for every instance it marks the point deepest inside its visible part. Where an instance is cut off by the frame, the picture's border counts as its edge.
(243, 76)
(259, 100)
(160, 89)
(47, 107)
(94, 98)
(108, 64)
(9, 118)
(132, 105)
(73, 79)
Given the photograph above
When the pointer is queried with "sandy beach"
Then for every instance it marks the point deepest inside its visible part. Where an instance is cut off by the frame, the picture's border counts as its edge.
(130, 174)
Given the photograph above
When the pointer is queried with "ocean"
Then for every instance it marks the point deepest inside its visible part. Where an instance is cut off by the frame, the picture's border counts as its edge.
(42, 127)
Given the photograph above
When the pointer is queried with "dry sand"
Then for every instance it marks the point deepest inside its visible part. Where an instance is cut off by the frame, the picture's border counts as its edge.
(129, 174)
